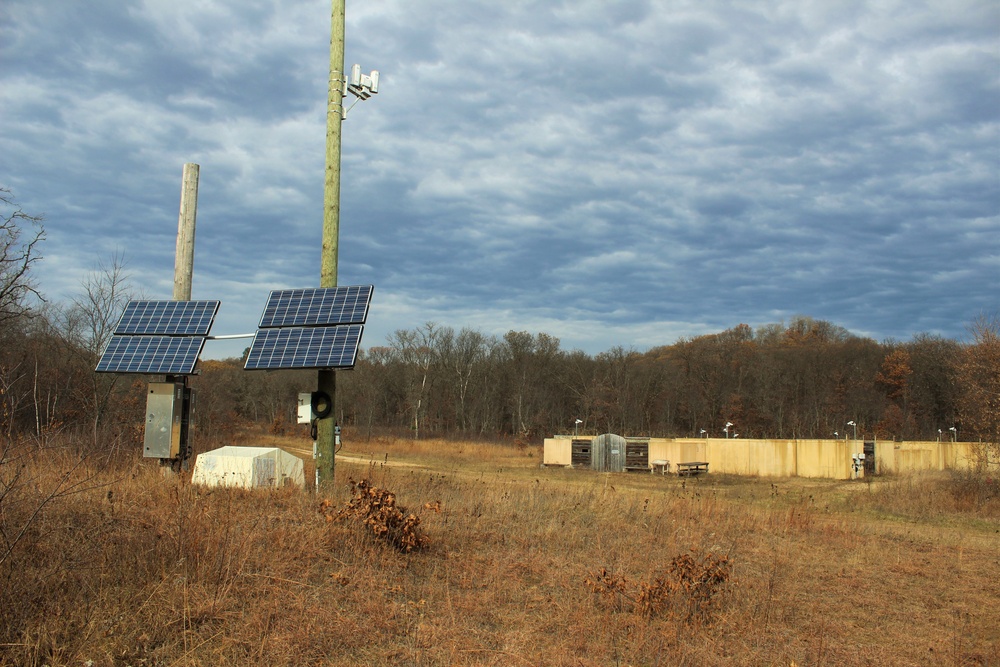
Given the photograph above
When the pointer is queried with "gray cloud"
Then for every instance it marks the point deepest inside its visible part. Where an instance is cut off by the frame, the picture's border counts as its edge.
(613, 173)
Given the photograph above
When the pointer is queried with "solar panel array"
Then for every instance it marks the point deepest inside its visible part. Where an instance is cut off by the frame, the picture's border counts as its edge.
(300, 328)
(317, 307)
(158, 337)
(305, 347)
(168, 318)
(310, 328)
(170, 355)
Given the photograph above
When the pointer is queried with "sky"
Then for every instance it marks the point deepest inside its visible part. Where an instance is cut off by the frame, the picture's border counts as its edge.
(609, 172)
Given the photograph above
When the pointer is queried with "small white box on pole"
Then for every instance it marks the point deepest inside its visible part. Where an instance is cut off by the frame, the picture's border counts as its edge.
(305, 408)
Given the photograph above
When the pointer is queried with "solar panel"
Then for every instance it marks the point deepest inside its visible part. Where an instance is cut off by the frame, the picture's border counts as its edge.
(323, 306)
(304, 347)
(157, 355)
(168, 318)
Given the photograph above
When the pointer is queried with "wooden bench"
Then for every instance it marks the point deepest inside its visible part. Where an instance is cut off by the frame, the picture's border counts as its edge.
(692, 468)
(659, 464)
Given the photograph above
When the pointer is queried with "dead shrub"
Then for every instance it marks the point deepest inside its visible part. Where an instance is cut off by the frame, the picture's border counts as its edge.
(612, 590)
(376, 508)
(687, 589)
(976, 491)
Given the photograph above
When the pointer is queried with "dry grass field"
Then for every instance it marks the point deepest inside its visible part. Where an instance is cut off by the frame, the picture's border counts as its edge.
(108, 563)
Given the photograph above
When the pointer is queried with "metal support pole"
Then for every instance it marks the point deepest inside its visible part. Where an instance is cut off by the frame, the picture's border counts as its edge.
(326, 381)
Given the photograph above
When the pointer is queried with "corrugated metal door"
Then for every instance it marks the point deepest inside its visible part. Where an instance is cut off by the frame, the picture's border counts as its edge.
(608, 453)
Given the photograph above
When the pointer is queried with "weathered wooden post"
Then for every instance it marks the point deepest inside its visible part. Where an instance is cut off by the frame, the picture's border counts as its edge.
(183, 276)
(326, 382)
(184, 257)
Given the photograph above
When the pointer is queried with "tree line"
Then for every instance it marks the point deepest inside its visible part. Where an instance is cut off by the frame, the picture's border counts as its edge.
(802, 379)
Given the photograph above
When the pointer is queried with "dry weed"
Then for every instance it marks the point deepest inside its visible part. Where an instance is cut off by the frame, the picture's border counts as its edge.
(376, 508)
(689, 586)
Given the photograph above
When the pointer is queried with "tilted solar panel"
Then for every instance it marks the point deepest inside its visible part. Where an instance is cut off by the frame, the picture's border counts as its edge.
(322, 306)
(167, 318)
(304, 347)
(156, 355)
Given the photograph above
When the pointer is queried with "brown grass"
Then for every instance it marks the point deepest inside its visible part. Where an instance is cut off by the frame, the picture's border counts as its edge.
(116, 565)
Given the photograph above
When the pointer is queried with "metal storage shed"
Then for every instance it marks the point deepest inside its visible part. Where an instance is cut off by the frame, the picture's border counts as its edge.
(608, 453)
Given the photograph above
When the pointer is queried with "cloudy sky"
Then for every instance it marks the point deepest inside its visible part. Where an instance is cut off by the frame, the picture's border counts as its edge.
(610, 172)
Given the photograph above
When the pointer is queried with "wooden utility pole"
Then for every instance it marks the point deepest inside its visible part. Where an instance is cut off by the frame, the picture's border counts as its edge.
(183, 275)
(325, 428)
(184, 257)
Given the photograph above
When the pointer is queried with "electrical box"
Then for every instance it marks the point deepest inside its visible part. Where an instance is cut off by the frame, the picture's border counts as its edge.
(305, 408)
(165, 420)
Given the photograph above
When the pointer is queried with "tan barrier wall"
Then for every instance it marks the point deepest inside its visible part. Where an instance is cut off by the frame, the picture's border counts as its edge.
(558, 451)
(786, 458)
(909, 456)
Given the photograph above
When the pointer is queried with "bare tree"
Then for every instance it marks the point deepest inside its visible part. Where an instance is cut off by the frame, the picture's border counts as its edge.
(20, 235)
(89, 322)
(106, 291)
(417, 350)
(934, 385)
(462, 355)
(10, 397)
(371, 387)
(528, 366)
(979, 371)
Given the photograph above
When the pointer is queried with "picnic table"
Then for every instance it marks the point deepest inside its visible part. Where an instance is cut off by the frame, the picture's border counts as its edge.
(662, 464)
(692, 468)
